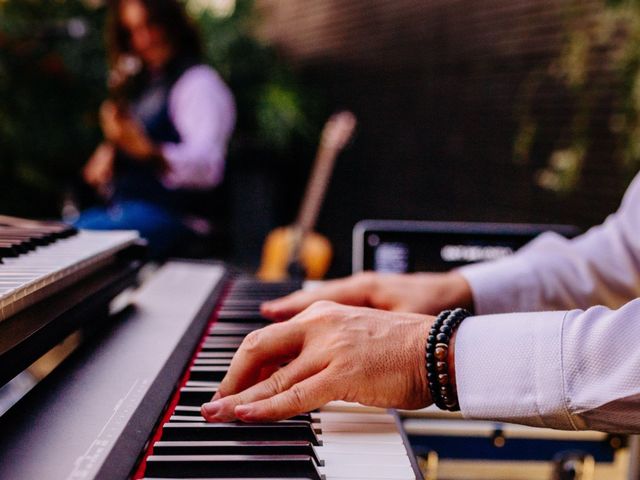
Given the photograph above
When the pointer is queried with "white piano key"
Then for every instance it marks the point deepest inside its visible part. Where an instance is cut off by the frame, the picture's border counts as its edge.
(370, 448)
(355, 438)
(363, 428)
(361, 443)
(362, 471)
(351, 417)
(339, 458)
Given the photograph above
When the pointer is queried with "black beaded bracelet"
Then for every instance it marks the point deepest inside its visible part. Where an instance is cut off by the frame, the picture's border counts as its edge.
(437, 358)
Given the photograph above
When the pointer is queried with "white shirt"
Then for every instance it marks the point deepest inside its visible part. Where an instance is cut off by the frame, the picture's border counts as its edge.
(203, 112)
(567, 363)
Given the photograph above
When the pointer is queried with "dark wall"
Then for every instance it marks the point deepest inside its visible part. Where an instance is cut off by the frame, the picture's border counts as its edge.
(436, 85)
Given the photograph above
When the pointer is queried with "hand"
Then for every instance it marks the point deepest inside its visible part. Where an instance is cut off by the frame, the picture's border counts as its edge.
(126, 133)
(427, 293)
(329, 352)
(98, 171)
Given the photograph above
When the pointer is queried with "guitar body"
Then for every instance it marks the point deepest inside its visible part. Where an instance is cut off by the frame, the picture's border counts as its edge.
(296, 249)
(277, 252)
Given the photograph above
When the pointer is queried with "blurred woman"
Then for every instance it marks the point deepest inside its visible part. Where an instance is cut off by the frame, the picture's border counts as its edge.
(166, 124)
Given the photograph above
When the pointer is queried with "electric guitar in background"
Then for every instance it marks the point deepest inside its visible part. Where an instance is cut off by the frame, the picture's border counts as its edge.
(296, 250)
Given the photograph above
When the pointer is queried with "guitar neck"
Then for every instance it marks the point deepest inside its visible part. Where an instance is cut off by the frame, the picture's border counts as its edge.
(316, 189)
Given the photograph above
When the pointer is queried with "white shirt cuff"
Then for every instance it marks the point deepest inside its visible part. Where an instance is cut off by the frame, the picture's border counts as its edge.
(509, 368)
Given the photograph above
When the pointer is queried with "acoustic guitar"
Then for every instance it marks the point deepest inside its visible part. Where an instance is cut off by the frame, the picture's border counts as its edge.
(295, 250)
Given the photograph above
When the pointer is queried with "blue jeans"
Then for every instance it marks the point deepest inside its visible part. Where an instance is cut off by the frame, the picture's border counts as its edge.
(162, 229)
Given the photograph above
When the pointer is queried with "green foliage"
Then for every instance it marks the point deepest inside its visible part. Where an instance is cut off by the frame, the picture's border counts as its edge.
(598, 64)
(271, 105)
(51, 86)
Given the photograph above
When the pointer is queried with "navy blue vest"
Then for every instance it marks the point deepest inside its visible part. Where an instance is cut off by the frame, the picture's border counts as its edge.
(136, 180)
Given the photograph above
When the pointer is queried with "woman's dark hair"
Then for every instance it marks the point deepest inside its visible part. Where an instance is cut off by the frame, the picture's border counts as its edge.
(170, 15)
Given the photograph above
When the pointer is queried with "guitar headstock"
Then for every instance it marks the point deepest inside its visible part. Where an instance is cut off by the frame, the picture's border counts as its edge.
(338, 130)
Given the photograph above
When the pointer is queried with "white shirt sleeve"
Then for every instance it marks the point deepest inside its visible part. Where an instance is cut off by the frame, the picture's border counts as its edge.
(576, 370)
(600, 267)
(202, 109)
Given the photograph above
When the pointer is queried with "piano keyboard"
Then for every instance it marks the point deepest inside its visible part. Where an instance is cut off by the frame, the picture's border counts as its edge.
(331, 445)
(127, 406)
(35, 263)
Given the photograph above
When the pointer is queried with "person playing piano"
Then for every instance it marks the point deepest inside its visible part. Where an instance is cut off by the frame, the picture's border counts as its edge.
(165, 128)
(554, 340)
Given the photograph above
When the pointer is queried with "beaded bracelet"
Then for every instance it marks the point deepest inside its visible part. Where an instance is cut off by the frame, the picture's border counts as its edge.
(437, 358)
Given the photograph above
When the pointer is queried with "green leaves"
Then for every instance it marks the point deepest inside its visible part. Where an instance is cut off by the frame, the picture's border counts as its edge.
(597, 70)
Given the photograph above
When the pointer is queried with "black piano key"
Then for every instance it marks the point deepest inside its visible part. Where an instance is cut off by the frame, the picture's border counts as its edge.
(24, 242)
(243, 303)
(238, 316)
(18, 247)
(36, 238)
(196, 396)
(285, 430)
(232, 466)
(305, 417)
(226, 348)
(212, 373)
(237, 448)
(8, 250)
(228, 333)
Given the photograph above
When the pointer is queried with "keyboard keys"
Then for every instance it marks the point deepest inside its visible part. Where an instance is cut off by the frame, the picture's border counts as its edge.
(35, 265)
(285, 430)
(232, 466)
(331, 445)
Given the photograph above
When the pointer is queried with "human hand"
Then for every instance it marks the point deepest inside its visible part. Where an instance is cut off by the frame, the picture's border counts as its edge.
(98, 171)
(126, 133)
(427, 293)
(329, 352)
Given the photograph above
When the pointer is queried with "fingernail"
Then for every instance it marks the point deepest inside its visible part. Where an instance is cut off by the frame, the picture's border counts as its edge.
(211, 408)
(243, 412)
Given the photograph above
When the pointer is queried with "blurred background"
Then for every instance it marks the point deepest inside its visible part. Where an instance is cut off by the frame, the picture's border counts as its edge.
(500, 110)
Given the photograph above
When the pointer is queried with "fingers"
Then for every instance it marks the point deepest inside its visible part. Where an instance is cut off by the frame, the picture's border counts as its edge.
(304, 396)
(261, 348)
(286, 307)
(222, 409)
(351, 291)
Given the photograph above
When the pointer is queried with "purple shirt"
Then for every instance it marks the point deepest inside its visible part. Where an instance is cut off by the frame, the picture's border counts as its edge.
(567, 363)
(203, 112)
